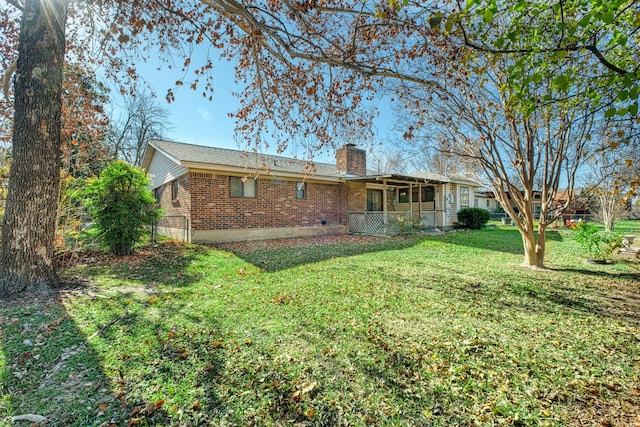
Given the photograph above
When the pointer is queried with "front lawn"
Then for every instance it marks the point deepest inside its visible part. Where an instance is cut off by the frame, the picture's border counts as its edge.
(440, 331)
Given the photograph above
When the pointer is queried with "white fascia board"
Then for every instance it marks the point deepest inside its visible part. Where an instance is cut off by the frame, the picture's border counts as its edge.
(167, 155)
(242, 171)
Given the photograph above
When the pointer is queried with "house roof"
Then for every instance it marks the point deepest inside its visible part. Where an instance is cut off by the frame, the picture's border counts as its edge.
(198, 156)
(565, 194)
(213, 158)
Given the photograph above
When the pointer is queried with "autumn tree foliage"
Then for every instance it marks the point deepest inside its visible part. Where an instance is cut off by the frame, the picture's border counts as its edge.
(85, 123)
(8, 54)
(84, 119)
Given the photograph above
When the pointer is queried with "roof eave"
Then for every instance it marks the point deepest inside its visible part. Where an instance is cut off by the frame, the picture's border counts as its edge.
(146, 159)
(398, 178)
(248, 171)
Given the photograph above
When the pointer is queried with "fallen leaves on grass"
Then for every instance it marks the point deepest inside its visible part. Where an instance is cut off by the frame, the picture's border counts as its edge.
(93, 257)
(277, 244)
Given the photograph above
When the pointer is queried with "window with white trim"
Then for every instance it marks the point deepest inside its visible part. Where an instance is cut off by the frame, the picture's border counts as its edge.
(242, 187)
(301, 190)
(464, 197)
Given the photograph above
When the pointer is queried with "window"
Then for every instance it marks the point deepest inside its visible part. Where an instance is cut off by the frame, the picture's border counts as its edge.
(301, 190)
(374, 200)
(537, 210)
(174, 189)
(242, 187)
(428, 194)
(425, 194)
(464, 197)
(156, 194)
(403, 195)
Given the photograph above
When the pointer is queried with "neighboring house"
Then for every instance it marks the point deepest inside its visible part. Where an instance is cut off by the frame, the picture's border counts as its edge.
(575, 205)
(487, 200)
(215, 194)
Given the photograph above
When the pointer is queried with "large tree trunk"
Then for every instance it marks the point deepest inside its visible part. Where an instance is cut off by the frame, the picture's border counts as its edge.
(28, 228)
(533, 253)
(534, 250)
(541, 244)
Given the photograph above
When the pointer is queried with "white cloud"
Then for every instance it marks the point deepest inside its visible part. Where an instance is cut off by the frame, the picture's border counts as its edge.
(205, 114)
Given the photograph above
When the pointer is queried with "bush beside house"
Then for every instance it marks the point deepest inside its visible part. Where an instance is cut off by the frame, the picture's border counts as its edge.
(121, 206)
(473, 218)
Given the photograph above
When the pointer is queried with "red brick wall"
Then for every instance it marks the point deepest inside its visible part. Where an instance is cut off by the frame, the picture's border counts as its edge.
(351, 160)
(179, 207)
(356, 196)
(275, 205)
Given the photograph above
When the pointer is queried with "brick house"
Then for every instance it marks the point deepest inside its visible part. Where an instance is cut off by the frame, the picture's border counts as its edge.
(214, 194)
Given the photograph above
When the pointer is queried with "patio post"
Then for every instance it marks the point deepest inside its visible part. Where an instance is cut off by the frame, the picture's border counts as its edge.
(384, 203)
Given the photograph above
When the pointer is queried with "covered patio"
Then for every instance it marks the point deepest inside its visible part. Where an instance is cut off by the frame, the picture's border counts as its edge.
(392, 204)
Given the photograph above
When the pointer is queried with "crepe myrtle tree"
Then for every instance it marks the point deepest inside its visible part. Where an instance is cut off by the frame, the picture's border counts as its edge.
(523, 147)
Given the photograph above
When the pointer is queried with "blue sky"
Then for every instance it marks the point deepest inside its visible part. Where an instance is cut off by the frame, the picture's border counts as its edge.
(196, 120)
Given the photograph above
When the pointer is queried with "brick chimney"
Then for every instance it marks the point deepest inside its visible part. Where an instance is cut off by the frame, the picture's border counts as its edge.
(351, 160)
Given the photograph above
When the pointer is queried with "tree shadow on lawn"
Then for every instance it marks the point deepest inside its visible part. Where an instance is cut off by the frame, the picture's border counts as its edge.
(506, 240)
(163, 264)
(168, 263)
(612, 295)
(53, 369)
(617, 298)
(595, 300)
(282, 254)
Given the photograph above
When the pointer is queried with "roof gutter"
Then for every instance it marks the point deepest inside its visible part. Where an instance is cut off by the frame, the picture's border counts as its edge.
(210, 167)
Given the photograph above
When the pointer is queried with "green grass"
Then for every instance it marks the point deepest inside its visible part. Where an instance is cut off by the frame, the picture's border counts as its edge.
(627, 227)
(440, 331)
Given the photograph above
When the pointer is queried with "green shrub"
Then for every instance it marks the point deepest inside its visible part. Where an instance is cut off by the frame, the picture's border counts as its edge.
(589, 239)
(402, 225)
(121, 206)
(596, 245)
(473, 218)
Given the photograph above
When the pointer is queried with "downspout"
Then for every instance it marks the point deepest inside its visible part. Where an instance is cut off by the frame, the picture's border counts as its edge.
(420, 201)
